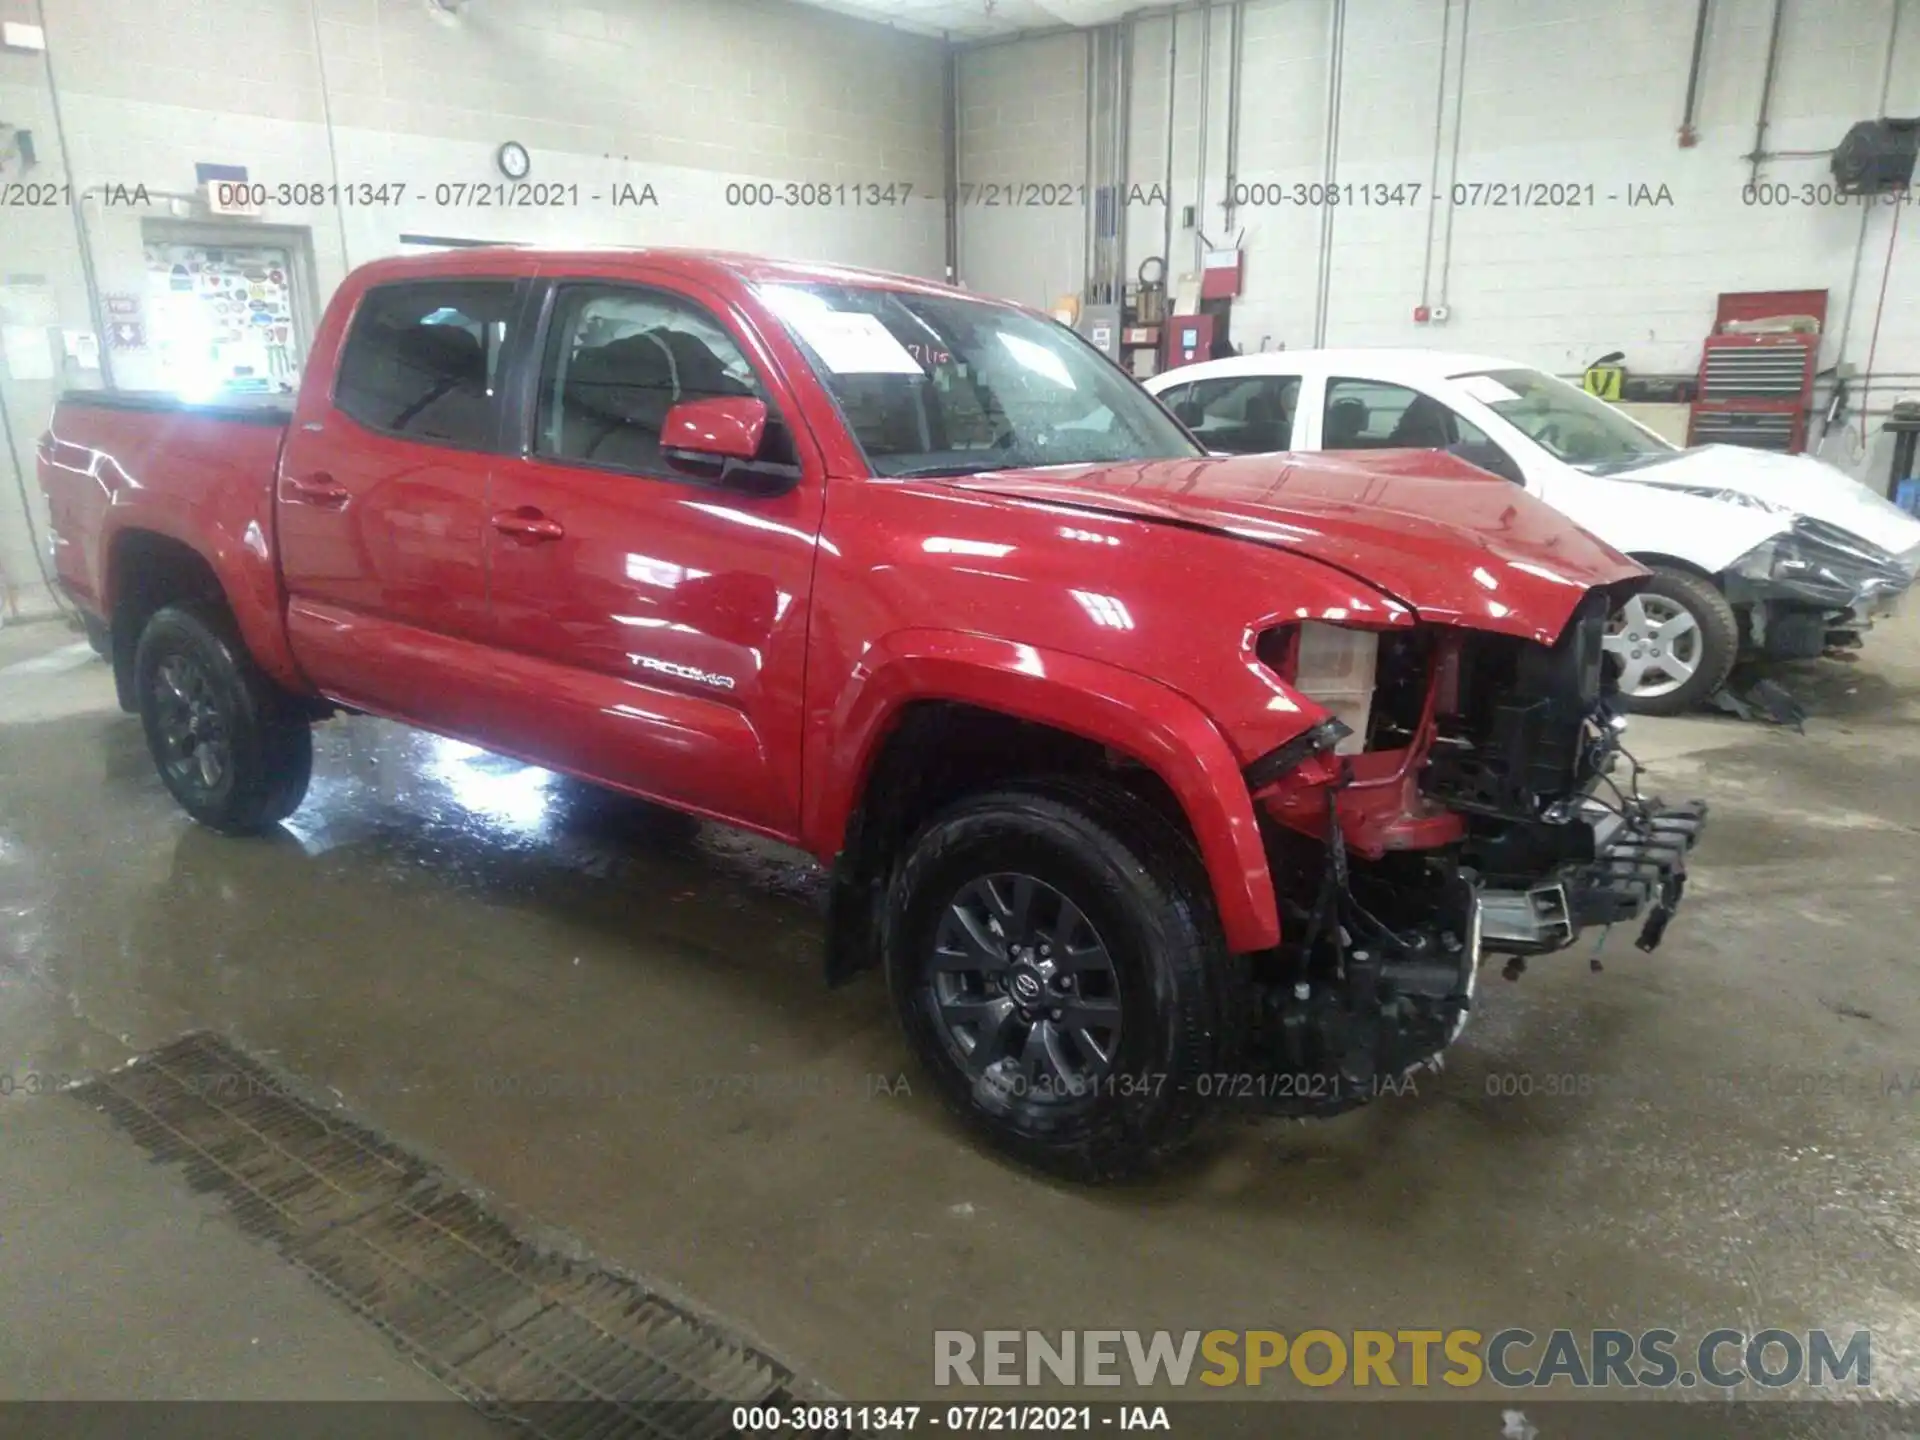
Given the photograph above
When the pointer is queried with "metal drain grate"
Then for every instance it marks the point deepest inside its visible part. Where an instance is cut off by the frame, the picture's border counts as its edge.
(552, 1344)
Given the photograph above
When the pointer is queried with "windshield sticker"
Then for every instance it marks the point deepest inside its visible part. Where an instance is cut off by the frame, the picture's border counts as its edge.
(853, 343)
(1485, 389)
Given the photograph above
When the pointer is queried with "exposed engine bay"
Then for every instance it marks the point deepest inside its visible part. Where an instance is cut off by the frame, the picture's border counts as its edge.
(1472, 798)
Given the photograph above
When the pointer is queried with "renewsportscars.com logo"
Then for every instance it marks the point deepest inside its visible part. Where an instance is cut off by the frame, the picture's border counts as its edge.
(1514, 1358)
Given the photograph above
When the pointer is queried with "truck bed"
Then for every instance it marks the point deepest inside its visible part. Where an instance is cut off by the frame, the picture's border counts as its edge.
(111, 459)
(245, 409)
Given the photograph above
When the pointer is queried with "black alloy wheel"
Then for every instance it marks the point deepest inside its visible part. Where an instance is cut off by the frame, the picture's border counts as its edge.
(1024, 989)
(233, 748)
(1057, 967)
(195, 752)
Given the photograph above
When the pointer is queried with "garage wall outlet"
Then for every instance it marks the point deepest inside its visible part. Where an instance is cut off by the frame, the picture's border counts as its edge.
(17, 35)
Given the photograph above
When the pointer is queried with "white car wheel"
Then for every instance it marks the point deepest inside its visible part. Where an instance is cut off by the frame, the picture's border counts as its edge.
(1673, 643)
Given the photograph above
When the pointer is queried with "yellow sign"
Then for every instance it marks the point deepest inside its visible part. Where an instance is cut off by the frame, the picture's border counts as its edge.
(1604, 381)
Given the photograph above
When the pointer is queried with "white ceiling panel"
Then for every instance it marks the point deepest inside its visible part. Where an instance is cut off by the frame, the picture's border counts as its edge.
(980, 19)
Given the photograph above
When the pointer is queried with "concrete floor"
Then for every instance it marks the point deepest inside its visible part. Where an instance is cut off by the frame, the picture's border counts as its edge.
(618, 1026)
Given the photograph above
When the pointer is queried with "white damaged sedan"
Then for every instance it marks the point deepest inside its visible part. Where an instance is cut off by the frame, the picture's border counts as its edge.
(1752, 552)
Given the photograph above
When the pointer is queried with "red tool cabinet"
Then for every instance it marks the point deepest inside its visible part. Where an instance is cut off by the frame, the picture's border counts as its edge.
(1755, 388)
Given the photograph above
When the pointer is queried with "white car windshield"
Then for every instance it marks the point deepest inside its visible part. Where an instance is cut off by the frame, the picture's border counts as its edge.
(1564, 420)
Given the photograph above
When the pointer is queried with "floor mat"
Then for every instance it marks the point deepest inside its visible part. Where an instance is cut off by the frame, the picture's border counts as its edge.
(552, 1343)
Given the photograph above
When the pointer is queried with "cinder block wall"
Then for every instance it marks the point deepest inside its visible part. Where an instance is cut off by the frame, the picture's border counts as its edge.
(1550, 91)
(688, 96)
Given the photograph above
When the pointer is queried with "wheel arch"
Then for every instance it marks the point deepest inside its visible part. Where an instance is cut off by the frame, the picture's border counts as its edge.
(149, 567)
(1653, 558)
(146, 571)
(939, 711)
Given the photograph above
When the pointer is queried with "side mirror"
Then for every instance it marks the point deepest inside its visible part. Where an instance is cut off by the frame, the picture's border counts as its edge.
(723, 427)
(720, 439)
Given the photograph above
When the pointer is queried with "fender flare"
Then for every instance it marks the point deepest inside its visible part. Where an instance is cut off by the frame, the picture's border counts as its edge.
(1156, 725)
(248, 581)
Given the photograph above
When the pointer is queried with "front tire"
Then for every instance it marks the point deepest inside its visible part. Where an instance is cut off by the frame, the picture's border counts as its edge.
(230, 745)
(1674, 642)
(1056, 963)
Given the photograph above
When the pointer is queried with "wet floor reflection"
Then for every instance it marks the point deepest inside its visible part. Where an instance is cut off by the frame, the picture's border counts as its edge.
(555, 988)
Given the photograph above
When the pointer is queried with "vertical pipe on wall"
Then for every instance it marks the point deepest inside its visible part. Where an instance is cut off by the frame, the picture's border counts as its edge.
(1893, 39)
(1200, 161)
(1688, 135)
(89, 278)
(1123, 41)
(326, 116)
(950, 155)
(1336, 45)
(1766, 94)
(1228, 210)
(1453, 162)
(1107, 200)
(1090, 193)
(1173, 80)
(1110, 163)
(1439, 129)
(1860, 240)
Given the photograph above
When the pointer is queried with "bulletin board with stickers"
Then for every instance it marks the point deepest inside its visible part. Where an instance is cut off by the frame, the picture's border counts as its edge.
(222, 317)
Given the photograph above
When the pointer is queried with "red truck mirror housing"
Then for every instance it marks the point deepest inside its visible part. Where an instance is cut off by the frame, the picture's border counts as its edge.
(723, 427)
(722, 439)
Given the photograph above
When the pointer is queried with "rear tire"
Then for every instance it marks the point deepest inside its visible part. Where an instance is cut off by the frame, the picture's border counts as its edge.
(1086, 1061)
(233, 748)
(1679, 618)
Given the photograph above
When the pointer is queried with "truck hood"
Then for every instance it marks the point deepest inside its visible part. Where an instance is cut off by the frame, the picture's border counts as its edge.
(1445, 538)
(1797, 484)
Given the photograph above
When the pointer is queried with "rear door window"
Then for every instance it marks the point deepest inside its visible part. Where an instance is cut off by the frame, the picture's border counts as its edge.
(422, 360)
(1243, 414)
(1373, 415)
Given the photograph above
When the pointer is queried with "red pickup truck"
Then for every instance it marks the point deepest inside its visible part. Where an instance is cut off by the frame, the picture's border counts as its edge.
(1149, 779)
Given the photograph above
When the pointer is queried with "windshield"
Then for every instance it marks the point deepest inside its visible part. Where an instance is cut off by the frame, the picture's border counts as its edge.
(936, 385)
(1563, 419)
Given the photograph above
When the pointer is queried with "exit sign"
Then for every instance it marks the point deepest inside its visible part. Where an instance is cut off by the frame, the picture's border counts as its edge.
(226, 191)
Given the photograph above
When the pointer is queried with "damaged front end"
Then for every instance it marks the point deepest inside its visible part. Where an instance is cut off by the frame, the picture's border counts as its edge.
(1471, 797)
(1816, 587)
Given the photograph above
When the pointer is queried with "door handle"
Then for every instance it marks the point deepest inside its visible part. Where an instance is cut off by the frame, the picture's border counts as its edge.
(319, 488)
(528, 525)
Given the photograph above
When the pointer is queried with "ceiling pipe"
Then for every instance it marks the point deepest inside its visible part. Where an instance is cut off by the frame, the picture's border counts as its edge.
(1689, 137)
(1041, 32)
